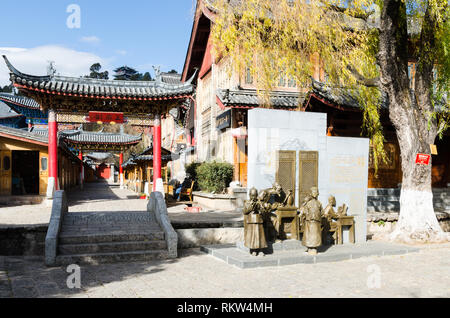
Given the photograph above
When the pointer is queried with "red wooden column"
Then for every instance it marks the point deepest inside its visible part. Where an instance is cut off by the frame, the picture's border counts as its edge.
(121, 180)
(80, 156)
(156, 150)
(53, 183)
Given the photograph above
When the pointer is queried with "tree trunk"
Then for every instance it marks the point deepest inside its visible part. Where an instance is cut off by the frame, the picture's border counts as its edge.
(409, 111)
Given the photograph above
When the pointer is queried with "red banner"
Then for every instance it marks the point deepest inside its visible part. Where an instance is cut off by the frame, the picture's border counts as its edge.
(423, 159)
(95, 117)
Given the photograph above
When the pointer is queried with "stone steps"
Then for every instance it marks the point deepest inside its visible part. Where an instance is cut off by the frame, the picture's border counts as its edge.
(100, 258)
(92, 238)
(110, 247)
(106, 237)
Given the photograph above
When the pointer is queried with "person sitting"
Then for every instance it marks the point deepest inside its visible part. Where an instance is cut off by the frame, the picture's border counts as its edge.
(185, 185)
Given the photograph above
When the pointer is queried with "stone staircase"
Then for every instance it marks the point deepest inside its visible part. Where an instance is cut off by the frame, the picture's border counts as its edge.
(106, 237)
(388, 200)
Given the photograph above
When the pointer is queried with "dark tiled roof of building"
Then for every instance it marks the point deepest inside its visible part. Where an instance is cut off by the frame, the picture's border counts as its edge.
(171, 78)
(87, 137)
(99, 156)
(340, 96)
(23, 134)
(150, 157)
(98, 88)
(250, 99)
(19, 100)
(7, 112)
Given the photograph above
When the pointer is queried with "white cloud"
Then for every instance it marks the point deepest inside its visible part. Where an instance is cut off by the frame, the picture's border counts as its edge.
(90, 39)
(121, 52)
(34, 61)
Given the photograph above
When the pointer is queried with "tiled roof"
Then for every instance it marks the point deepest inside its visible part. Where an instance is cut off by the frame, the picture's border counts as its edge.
(87, 137)
(150, 157)
(171, 78)
(6, 111)
(340, 96)
(19, 100)
(99, 155)
(25, 134)
(250, 99)
(98, 88)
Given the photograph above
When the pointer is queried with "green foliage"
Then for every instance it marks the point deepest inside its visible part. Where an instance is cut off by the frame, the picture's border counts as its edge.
(296, 36)
(6, 89)
(214, 176)
(95, 72)
(191, 169)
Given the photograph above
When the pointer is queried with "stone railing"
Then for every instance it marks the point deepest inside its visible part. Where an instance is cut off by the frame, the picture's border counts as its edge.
(59, 209)
(157, 206)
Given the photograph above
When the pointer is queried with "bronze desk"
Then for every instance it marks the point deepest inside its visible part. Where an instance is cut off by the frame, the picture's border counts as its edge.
(291, 214)
(345, 221)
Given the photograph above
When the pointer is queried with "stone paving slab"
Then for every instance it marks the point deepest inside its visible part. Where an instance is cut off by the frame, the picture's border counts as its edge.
(237, 256)
(195, 274)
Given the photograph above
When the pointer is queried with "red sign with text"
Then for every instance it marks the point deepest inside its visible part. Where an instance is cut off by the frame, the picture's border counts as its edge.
(423, 159)
(106, 117)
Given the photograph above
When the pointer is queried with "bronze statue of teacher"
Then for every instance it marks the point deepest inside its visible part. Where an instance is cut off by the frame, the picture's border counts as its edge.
(312, 236)
(254, 237)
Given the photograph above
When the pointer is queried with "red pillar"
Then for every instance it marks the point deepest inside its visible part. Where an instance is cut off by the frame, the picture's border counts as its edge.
(121, 163)
(80, 156)
(53, 146)
(121, 177)
(156, 150)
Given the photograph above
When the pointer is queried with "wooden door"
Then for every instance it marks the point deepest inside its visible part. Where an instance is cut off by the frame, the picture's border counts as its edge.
(308, 173)
(240, 160)
(5, 172)
(285, 174)
(43, 173)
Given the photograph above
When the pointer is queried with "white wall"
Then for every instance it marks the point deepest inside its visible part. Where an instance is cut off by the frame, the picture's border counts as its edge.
(343, 162)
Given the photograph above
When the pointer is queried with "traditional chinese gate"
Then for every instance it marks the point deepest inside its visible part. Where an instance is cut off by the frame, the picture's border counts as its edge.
(80, 100)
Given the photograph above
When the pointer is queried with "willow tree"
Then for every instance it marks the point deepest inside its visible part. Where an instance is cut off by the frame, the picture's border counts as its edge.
(363, 45)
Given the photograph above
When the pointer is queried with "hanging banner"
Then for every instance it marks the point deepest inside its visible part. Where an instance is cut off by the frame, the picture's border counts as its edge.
(423, 159)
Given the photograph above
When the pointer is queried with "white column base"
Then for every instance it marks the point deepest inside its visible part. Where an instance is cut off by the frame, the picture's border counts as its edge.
(51, 188)
(122, 186)
(146, 189)
(159, 186)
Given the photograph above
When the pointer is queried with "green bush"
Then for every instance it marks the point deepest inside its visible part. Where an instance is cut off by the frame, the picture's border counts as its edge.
(214, 176)
(191, 169)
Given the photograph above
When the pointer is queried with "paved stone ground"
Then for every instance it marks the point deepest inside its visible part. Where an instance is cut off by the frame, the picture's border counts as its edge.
(104, 197)
(195, 274)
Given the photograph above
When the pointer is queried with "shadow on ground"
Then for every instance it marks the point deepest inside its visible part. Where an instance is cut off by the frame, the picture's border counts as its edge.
(28, 277)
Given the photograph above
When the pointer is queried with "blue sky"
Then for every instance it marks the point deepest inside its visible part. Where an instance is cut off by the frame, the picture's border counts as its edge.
(137, 33)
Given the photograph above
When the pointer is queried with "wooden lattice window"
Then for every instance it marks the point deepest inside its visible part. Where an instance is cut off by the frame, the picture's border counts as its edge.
(308, 173)
(285, 175)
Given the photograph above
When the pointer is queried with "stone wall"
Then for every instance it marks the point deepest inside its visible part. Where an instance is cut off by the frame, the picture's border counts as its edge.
(26, 240)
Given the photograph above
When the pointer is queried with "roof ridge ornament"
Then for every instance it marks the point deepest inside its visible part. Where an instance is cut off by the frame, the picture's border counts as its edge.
(51, 69)
(157, 70)
(189, 81)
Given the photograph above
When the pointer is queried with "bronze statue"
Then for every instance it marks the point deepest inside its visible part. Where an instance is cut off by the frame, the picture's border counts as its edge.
(289, 201)
(277, 195)
(329, 212)
(312, 235)
(270, 218)
(327, 222)
(342, 210)
(254, 237)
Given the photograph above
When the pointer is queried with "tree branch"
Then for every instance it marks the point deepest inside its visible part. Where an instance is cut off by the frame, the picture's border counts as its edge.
(369, 82)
